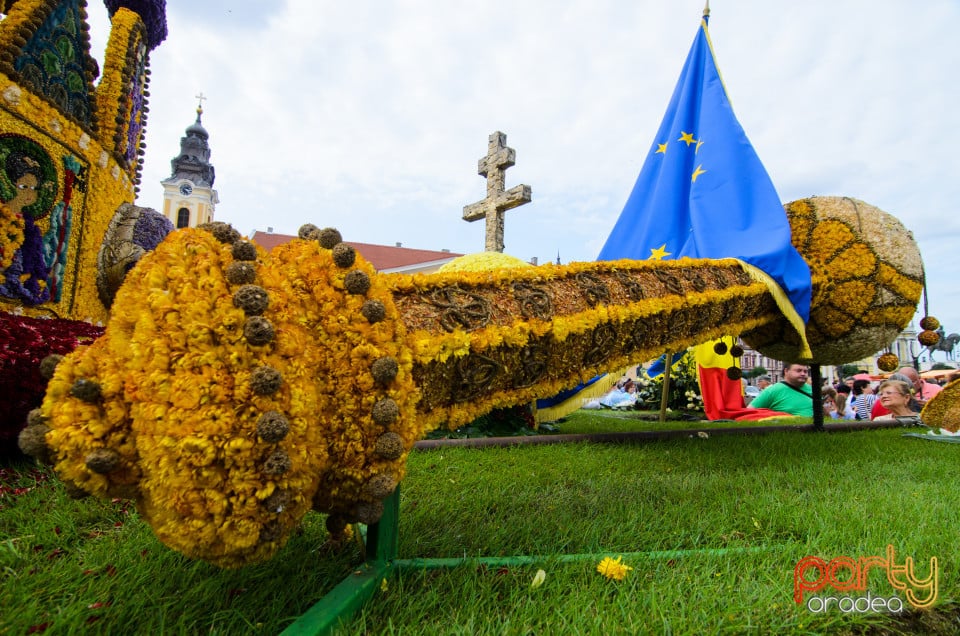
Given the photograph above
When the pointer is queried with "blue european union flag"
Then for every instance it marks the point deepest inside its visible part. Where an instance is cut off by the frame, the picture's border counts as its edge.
(702, 191)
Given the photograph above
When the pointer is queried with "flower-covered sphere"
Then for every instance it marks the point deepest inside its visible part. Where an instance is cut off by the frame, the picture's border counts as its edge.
(867, 278)
(928, 338)
(888, 362)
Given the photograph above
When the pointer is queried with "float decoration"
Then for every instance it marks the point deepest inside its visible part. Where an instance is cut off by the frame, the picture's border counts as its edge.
(237, 390)
(70, 155)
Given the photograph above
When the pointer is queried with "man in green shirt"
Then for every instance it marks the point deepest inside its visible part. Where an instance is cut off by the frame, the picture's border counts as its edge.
(793, 395)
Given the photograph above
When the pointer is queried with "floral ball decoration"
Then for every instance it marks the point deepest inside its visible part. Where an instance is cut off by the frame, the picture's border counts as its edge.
(132, 232)
(928, 338)
(867, 278)
(943, 409)
(888, 362)
(929, 323)
(151, 228)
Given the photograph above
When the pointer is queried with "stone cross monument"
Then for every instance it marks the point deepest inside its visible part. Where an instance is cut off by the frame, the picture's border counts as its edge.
(493, 166)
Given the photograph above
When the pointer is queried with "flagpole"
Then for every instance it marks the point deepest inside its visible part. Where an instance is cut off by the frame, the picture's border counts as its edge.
(665, 392)
(706, 10)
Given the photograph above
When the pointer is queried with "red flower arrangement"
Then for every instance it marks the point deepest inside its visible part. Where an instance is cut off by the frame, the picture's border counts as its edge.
(24, 342)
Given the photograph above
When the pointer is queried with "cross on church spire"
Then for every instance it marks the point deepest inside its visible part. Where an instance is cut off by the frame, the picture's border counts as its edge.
(493, 167)
(200, 97)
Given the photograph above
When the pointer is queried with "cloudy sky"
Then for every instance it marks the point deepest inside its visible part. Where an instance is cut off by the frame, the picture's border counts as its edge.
(370, 116)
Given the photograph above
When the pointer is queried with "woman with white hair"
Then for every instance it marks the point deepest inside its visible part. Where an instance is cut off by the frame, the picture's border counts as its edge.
(895, 395)
(878, 407)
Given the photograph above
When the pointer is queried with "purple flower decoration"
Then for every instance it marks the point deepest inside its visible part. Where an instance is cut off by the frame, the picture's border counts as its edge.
(152, 12)
(151, 228)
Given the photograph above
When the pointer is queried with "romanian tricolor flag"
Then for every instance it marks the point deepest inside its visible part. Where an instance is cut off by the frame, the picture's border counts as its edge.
(723, 395)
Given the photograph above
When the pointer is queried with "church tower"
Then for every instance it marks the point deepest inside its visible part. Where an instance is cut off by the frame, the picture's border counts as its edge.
(188, 195)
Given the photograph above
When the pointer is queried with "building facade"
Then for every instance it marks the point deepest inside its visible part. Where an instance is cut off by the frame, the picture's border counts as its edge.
(189, 199)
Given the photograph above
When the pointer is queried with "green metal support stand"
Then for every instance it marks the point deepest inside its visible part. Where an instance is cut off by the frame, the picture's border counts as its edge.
(355, 590)
(382, 546)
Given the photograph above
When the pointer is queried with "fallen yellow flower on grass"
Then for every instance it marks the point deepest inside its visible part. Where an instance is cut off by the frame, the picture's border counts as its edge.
(613, 568)
(538, 579)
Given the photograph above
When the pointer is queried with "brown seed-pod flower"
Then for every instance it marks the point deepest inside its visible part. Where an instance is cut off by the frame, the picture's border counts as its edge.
(888, 362)
(384, 370)
(265, 380)
(278, 462)
(385, 412)
(271, 531)
(308, 232)
(373, 311)
(368, 512)
(720, 348)
(86, 390)
(32, 441)
(49, 364)
(258, 331)
(272, 427)
(252, 299)
(356, 282)
(277, 501)
(734, 373)
(736, 351)
(329, 237)
(344, 255)
(103, 460)
(380, 486)
(35, 418)
(223, 232)
(930, 323)
(928, 338)
(240, 273)
(389, 446)
(244, 251)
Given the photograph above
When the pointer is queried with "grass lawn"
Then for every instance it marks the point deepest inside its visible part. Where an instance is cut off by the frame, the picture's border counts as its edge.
(743, 510)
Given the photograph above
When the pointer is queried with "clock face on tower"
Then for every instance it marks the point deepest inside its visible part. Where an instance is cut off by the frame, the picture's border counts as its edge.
(186, 189)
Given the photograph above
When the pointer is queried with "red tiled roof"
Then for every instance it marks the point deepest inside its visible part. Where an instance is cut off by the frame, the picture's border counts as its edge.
(382, 257)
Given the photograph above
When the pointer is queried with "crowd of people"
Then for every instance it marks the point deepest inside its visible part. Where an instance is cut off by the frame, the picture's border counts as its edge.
(899, 397)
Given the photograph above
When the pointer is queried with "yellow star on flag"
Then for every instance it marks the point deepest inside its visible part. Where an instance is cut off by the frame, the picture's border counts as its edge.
(696, 173)
(687, 137)
(661, 148)
(659, 253)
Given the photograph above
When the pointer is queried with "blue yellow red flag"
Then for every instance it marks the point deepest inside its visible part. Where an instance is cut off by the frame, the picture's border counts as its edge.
(703, 193)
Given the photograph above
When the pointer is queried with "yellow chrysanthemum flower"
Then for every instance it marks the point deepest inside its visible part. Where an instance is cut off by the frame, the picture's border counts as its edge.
(11, 235)
(613, 569)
